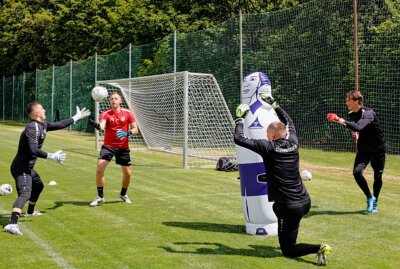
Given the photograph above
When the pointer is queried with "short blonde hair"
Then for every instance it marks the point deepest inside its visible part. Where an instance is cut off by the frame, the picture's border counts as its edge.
(30, 108)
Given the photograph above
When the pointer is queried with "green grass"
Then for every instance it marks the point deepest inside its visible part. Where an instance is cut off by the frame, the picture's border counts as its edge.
(186, 218)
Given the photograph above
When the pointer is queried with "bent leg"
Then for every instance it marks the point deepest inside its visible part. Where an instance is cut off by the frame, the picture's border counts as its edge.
(288, 227)
(360, 163)
(378, 165)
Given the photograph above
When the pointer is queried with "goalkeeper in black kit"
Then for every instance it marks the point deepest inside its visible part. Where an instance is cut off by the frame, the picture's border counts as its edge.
(28, 183)
(367, 133)
(280, 153)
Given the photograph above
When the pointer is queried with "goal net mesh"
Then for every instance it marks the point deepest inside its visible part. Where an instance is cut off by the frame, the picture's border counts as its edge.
(182, 113)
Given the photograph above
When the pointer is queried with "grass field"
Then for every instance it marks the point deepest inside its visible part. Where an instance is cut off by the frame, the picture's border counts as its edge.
(187, 218)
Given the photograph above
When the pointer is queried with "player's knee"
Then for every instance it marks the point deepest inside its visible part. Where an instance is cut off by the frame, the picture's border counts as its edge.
(23, 197)
(39, 187)
(358, 172)
(127, 174)
(288, 252)
(100, 170)
(378, 175)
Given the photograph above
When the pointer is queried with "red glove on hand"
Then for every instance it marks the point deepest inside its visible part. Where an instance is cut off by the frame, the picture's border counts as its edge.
(332, 117)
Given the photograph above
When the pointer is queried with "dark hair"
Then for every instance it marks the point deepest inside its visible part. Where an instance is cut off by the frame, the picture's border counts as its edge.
(29, 108)
(355, 96)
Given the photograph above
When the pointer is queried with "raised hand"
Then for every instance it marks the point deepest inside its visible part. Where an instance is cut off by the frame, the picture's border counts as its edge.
(81, 113)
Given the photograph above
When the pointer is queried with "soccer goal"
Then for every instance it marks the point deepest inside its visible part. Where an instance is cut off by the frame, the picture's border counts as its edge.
(182, 113)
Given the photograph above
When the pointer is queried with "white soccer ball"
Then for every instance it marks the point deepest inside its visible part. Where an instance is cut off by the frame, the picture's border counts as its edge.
(99, 93)
(306, 175)
(6, 189)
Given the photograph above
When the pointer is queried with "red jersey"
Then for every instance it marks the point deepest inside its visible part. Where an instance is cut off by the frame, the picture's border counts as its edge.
(114, 122)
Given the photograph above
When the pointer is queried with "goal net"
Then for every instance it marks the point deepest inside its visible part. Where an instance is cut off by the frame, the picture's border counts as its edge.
(182, 113)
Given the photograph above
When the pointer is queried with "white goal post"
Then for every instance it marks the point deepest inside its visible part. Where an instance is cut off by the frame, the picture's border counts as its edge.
(182, 113)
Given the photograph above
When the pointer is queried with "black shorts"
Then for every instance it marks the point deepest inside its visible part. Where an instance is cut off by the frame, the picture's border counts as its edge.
(25, 178)
(122, 156)
(377, 160)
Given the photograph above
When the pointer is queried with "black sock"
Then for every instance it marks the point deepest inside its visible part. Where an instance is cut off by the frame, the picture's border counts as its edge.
(31, 208)
(123, 191)
(14, 217)
(100, 191)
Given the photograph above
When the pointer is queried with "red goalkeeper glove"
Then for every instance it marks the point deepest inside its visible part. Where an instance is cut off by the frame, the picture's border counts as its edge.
(333, 117)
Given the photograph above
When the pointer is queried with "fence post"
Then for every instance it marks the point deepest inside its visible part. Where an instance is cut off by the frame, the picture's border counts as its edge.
(130, 70)
(70, 90)
(175, 51)
(23, 96)
(96, 105)
(4, 104)
(355, 44)
(13, 99)
(52, 94)
(241, 51)
(36, 86)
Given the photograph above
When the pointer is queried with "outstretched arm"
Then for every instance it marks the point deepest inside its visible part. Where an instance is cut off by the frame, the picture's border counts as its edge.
(367, 117)
(282, 115)
(57, 125)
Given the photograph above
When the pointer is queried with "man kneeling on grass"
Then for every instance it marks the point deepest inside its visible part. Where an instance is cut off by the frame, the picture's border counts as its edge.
(280, 153)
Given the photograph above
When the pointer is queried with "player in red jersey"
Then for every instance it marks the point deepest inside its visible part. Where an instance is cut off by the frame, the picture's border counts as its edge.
(118, 123)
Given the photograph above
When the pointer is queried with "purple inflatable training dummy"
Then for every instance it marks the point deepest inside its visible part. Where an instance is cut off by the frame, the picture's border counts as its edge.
(260, 218)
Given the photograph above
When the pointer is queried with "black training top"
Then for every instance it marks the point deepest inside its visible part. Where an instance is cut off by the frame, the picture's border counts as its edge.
(31, 142)
(281, 161)
(366, 123)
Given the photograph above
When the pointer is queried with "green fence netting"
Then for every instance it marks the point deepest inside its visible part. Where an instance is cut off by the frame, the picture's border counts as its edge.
(307, 52)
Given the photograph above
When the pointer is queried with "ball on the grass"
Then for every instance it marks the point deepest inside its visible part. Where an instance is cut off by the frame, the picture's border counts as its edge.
(6, 189)
(99, 93)
(306, 175)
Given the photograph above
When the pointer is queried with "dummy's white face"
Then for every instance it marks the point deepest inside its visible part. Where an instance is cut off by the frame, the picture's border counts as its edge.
(254, 84)
(250, 85)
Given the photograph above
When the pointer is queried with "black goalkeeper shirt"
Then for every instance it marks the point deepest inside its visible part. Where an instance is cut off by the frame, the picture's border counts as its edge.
(281, 161)
(366, 123)
(31, 142)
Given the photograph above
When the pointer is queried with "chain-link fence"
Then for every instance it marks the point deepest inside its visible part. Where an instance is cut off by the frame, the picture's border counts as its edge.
(307, 52)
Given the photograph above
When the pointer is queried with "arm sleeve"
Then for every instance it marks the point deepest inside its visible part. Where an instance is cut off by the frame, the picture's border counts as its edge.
(285, 118)
(259, 146)
(366, 119)
(52, 126)
(33, 140)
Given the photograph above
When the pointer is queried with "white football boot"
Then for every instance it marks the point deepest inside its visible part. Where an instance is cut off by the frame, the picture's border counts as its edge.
(12, 229)
(125, 198)
(34, 214)
(98, 201)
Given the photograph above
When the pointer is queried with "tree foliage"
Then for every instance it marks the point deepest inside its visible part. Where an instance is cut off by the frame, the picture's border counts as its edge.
(34, 34)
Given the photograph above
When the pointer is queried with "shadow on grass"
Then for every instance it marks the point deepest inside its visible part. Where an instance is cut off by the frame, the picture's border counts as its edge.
(4, 219)
(333, 213)
(207, 248)
(220, 249)
(58, 204)
(210, 227)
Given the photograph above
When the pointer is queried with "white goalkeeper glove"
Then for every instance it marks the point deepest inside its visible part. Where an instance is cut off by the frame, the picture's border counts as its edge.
(242, 110)
(267, 97)
(80, 114)
(57, 156)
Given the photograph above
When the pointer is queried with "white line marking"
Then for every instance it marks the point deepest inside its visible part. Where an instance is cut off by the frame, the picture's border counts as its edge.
(41, 243)
(47, 248)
